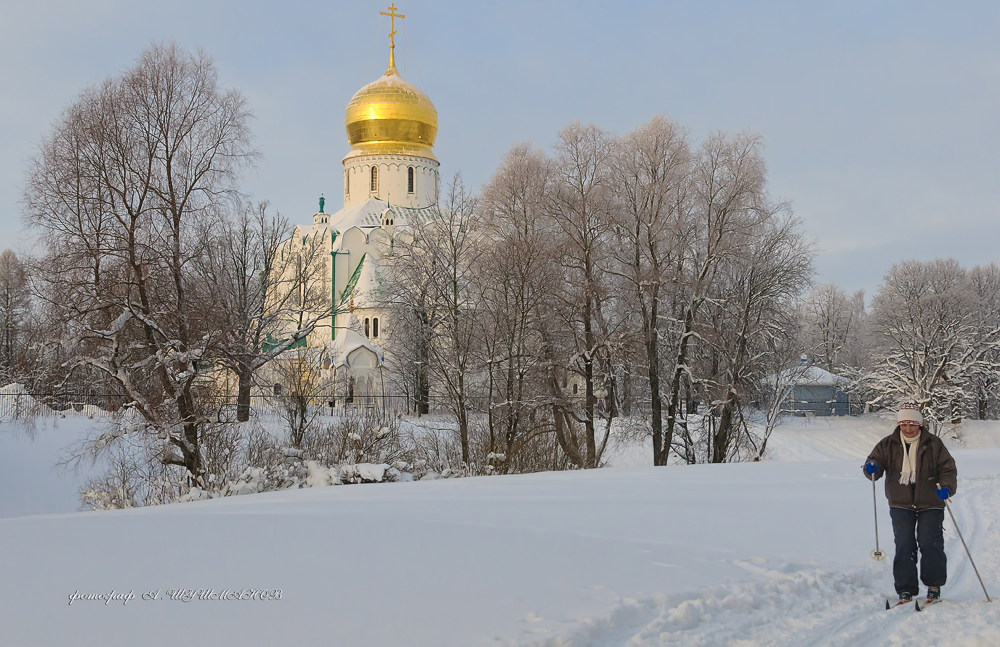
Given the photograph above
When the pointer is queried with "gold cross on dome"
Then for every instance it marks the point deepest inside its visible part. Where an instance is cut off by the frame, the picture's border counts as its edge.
(392, 32)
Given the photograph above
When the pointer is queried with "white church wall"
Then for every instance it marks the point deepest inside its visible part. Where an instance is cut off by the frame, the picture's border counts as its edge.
(355, 245)
(393, 180)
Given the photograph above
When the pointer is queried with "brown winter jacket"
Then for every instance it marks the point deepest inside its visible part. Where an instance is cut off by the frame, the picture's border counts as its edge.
(934, 465)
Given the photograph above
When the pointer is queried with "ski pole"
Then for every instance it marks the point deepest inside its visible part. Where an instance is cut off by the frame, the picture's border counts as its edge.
(947, 504)
(878, 555)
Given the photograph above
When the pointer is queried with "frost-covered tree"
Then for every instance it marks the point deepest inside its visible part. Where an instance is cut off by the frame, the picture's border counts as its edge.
(269, 300)
(727, 202)
(984, 376)
(750, 318)
(518, 270)
(580, 206)
(834, 328)
(14, 310)
(924, 320)
(433, 269)
(651, 179)
(607, 265)
(125, 196)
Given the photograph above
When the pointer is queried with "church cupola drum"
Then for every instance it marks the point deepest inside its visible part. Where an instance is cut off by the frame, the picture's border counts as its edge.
(391, 126)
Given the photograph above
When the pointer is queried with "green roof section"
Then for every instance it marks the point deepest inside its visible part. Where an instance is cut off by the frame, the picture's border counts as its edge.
(270, 343)
(353, 281)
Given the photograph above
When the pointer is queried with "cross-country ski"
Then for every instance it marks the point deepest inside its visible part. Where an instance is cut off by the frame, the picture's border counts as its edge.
(920, 606)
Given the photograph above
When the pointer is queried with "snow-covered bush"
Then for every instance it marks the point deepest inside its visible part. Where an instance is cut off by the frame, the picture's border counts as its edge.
(367, 435)
(434, 450)
(135, 473)
(246, 458)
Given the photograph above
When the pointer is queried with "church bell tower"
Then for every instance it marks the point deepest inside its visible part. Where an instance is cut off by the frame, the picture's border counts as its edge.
(391, 127)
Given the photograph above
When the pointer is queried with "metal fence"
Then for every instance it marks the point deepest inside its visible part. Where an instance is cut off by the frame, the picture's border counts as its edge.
(24, 405)
(15, 406)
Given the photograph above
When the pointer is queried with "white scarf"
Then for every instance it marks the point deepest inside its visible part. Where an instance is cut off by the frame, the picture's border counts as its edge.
(909, 472)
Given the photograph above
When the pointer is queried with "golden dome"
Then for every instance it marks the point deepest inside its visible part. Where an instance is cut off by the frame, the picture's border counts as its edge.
(390, 116)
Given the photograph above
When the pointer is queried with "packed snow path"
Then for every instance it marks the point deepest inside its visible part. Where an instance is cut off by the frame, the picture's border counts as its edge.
(796, 605)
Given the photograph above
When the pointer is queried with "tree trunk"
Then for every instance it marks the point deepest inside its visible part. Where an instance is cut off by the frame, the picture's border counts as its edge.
(589, 433)
(190, 448)
(489, 411)
(675, 386)
(720, 443)
(423, 394)
(626, 392)
(565, 437)
(244, 376)
(653, 370)
(588, 374)
(463, 420)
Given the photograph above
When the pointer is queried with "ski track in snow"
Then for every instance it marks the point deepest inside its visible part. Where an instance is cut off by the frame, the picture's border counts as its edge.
(797, 605)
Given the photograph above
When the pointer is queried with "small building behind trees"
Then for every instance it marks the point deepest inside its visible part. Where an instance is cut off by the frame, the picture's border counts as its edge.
(813, 391)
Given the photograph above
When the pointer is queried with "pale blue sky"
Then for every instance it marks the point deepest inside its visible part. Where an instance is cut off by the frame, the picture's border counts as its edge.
(881, 118)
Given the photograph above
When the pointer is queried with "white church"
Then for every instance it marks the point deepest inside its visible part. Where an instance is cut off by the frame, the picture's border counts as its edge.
(390, 181)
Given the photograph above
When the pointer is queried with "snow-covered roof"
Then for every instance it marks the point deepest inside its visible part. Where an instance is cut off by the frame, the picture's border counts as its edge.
(342, 348)
(813, 376)
(368, 214)
(367, 286)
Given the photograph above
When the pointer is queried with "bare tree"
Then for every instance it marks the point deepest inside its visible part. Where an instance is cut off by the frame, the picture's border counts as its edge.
(457, 235)
(302, 384)
(271, 298)
(517, 271)
(651, 169)
(436, 264)
(14, 305)
(408, 294)
(580, 206)
(834, 325)
(753, 308)
(778, 368)
(727, 189)
(125, 194)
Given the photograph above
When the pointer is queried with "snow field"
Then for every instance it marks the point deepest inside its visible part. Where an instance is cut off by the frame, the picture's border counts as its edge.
(771, 553)
(30, 480)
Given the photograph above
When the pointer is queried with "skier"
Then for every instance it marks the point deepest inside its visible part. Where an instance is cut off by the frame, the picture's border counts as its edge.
(916, 462)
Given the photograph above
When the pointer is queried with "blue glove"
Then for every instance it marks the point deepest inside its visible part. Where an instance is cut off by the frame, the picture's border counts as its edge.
(871, 467)
(943, 493)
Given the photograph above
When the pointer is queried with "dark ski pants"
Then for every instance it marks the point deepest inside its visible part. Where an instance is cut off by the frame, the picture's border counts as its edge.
(923, 529)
